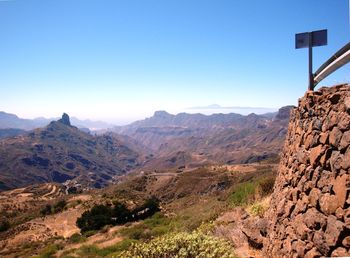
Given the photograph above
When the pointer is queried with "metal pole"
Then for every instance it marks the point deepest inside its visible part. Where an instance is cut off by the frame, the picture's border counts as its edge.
(311, 76)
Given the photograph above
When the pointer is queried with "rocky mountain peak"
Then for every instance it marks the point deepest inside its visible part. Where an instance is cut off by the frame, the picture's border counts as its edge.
(161, 113)
(283, 113)
(65, 119)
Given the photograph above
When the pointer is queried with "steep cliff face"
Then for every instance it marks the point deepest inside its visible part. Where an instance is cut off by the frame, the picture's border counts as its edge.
(309, 214)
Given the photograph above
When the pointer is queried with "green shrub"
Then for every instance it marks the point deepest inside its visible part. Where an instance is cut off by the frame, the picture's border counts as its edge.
(50, 251)
(77, 238)
(136, 232)
(157, 219)
(110, 251)
(95, 219)
(89, 251)
(102, 215)
(121, 213)
(89, 233)
(182, 244)
(265, 186)
(257, 209)
(151, 227)
(59, 206)
(4, 225)
(150, 207)
(67, 256)
(242, 194)
(120, 247)
(46, 210)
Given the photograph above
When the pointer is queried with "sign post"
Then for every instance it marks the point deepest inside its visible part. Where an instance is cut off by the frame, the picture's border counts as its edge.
(309, 40)
(311, 75)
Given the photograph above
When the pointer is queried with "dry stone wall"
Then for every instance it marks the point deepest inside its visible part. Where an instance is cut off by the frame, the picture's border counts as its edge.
(309, 214)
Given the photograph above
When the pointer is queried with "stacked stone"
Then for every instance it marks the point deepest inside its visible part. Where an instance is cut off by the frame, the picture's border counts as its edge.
(310, 209)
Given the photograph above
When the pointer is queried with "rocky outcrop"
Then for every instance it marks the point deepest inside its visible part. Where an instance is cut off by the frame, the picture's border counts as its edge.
(65, 119)
(244, 231)
(283, 113)
(309, 214)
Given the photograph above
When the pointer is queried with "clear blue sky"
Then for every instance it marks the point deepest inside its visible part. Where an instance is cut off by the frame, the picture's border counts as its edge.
(120, 60)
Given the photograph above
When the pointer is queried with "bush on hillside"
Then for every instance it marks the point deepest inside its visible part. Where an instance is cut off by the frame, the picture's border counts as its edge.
(46, 210)
(96, 218)
(59, 206)
(121, 213)
(152, 227)
(4, 225)
(52, 209)
(242, 194)
(77, 238)
(257, 209)
(101, 215)
(265, 186)
(247, 192)
(150, 207)
(182, 244)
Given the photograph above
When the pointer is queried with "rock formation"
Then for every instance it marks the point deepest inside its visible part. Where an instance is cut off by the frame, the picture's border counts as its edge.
(65, 119)
(309, 214)
(283, 113)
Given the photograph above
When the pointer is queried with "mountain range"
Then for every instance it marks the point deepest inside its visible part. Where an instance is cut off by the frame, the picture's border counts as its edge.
(189, 140)
(59, 152)
(215, 108)
(11, 121)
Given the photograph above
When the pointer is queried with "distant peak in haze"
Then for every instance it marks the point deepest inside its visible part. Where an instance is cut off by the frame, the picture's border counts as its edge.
(284, 112)
(65, 119)
(216, 108)
(8, 120)
(161, 113)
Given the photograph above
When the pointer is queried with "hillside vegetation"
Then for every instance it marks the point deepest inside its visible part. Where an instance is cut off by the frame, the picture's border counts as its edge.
(189, 201)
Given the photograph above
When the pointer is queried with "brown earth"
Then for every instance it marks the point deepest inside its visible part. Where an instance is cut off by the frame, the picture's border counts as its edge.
(190, 192)
(27, 202)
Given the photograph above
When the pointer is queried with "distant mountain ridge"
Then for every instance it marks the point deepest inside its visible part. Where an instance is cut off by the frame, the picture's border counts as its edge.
(8, 120)
(12, 121)
(60, 152)
(232, 109)
(10, 132)
(195, 139)
(164, 119)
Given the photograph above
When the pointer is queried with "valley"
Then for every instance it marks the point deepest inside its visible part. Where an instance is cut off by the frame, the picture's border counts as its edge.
(191, 140)
(62, 153)
(198, 167)
(188, 199)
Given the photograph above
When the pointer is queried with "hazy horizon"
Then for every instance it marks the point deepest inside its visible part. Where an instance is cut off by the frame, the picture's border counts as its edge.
(122, 60)
(205, 110)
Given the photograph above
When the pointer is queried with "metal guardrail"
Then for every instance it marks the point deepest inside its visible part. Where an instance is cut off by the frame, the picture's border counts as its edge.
(336, 61)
